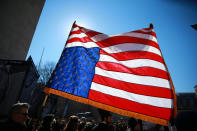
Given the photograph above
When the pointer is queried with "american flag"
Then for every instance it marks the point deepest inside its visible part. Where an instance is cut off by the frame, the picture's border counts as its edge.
(123, 73)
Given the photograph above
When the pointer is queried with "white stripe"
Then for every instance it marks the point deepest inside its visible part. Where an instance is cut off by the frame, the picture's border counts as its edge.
(138, 35)
(75, 29)
(86, 30)
(101, 37)
(154, 101)
(86, 45)
(151, 30)
(82, 29)
(131, 47)
(131, 78)
(134, 63)
(81, 35)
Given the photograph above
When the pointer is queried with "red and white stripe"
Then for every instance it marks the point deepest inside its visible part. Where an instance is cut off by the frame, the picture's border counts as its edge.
(130, 74)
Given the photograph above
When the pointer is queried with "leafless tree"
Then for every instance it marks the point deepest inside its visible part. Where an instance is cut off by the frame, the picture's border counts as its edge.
(45, 72)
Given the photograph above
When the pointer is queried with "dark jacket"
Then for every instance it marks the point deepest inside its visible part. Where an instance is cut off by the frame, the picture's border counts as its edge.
(12, 126)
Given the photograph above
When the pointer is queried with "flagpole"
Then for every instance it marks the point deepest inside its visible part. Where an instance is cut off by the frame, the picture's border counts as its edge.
(45, 100)
(43, 104)
(171, 83)
(151, 25)
(48, 93)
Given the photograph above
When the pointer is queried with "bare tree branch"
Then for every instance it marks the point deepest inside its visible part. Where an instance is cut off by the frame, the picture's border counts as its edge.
(45, 72)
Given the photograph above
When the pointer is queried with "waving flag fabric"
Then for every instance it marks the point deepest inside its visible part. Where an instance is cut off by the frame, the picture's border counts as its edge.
(123, 73)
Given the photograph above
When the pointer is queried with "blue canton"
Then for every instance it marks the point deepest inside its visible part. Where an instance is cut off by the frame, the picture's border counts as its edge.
(75, 71)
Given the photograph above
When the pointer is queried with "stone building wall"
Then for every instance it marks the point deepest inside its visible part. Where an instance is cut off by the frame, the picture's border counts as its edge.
(18, 22)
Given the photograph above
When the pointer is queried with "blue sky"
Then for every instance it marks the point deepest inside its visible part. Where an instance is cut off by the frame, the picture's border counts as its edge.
(171, 20)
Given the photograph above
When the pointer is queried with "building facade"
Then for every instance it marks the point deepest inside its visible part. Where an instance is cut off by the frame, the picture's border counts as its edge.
(18, 78)
(186, 101)
(18, 22)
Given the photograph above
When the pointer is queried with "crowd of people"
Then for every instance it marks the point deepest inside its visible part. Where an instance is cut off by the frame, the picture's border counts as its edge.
(19, 120)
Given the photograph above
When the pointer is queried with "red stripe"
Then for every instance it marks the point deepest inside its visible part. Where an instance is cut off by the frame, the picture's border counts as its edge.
(75, 25)
(142, 71)
(126, 39)
(91, 33)
(120, 39)
(148, 33)
(83, 40)
(130, 55)
(76, 32)
(146, 28)
(132, 106)
(133, 88)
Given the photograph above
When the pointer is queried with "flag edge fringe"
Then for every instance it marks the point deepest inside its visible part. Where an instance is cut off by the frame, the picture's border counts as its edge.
(107, 107)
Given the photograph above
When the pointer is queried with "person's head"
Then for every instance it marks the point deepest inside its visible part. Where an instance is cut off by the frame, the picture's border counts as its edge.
(19, 112)
(132, 122)
(83, 119)
(102, 126)
(47, 120)
(72, 123)
(88, 126)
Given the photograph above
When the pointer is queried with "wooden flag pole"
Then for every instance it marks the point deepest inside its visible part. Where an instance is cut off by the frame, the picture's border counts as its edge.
(43, 105)
(45, 100)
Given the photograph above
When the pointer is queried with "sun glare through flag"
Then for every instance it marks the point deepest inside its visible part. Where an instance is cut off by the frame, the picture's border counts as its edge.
(123, 73)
